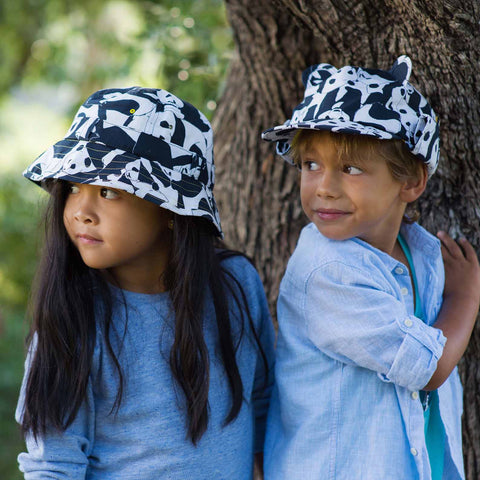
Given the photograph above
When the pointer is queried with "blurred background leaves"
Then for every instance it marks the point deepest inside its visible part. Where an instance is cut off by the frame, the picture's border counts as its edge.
(53, 55)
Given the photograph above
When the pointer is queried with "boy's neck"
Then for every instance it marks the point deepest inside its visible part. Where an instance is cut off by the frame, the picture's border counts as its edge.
(398, 253)
(387, 242)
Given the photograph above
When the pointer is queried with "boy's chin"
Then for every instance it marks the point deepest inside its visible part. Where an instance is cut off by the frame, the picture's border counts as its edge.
(333, 235)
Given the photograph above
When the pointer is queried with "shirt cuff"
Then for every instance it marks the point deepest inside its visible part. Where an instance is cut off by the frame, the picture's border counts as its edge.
(416, 359)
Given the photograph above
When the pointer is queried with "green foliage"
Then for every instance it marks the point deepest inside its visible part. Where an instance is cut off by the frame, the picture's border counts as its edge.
(19, 204)
(182, 46)
(11, 363)
(19, 233)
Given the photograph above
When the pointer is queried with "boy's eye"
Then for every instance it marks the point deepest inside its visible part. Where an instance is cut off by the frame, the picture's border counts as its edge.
(310, 166)
(108, 193)
(351, 170)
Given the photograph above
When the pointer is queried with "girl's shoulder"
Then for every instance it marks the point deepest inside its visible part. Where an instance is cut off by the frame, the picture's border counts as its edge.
(242, 274)
(237, 265)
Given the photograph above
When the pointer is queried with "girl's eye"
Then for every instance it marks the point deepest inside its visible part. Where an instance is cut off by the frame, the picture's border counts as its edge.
(108, 193)
(72, 188)
(351, 170)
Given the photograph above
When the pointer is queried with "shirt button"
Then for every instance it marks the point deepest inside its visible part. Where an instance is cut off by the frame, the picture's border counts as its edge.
(399, 270)
(408, 322)
(415, 395)
(404, 291)
(414, 452)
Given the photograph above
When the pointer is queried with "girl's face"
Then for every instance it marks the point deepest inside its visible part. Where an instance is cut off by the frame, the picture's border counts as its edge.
(345, 199)
(120, 233)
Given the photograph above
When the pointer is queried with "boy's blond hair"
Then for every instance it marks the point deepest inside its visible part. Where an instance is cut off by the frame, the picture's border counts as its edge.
(402, 164)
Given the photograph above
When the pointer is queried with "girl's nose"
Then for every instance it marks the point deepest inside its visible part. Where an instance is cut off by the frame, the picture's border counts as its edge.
(81, 207)
(84, 216)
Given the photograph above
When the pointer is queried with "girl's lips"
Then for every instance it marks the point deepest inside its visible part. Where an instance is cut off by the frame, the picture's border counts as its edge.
(88, 239)
(330, 214)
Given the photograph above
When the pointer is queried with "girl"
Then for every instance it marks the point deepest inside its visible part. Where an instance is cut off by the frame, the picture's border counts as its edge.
(150, 350)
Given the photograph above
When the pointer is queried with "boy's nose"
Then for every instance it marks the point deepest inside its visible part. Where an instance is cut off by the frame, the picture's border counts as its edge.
(328, 185)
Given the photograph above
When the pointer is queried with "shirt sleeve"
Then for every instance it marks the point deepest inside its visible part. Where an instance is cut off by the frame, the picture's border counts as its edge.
(58, 455)
(264, 374)
(356, 318)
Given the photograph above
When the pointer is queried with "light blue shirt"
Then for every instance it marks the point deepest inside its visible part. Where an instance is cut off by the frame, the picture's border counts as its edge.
(146, 440)
(351, 359)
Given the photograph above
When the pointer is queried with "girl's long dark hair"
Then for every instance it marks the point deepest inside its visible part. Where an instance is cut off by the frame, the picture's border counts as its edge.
(62, 335)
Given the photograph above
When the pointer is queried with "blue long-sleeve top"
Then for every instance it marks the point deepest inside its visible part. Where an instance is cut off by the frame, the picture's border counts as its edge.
(146, 438)
(351, 359)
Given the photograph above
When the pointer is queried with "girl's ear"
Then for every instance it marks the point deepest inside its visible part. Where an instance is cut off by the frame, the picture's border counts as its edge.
(414, 187)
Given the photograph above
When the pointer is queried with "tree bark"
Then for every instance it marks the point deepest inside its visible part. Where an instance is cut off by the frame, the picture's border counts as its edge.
(258, 193)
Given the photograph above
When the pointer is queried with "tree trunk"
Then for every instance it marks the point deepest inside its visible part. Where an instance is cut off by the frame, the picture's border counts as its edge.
(258, 193)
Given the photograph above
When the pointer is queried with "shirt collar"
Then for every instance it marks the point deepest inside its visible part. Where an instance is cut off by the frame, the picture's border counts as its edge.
(415, 236)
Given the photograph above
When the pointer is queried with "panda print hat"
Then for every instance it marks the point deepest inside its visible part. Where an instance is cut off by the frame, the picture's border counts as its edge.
(354, 100)
(145, 141)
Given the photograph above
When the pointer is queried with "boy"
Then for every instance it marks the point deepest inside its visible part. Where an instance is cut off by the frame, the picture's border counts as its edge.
(366, 379)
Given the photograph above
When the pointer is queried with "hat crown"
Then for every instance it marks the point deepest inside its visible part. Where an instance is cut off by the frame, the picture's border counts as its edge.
(145, 122)
(355, 100)
(145, 141)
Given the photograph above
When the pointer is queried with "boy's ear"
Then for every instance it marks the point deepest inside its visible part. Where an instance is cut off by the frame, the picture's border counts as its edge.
(414, 187)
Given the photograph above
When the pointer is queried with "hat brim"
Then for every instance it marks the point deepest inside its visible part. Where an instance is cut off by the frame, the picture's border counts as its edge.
(95, 163)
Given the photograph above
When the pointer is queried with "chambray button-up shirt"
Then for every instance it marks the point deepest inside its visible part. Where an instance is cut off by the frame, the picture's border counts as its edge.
(351, 359)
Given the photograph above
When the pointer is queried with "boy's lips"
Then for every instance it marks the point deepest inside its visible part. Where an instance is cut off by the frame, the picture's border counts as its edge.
(327, 214)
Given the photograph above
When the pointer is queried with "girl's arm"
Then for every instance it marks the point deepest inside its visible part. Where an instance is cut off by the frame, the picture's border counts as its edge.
(58, 455)
(461, 298)
(264, 373)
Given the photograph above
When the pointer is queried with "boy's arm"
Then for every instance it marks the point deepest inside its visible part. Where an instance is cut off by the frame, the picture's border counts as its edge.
(461, 298)
(353, 315)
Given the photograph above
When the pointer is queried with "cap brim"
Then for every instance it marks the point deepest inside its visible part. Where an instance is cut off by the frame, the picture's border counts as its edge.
(287, 132)
(95, 163)
(283, 134)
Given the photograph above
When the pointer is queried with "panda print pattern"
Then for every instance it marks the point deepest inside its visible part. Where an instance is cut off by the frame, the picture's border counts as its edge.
(147, 142)
(354, 100)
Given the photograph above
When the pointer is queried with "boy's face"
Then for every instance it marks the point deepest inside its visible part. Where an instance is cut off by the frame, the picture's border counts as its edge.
(347, 199)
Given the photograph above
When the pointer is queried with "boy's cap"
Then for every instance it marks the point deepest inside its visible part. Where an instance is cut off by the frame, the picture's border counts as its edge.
(145, 141)
(354, 100)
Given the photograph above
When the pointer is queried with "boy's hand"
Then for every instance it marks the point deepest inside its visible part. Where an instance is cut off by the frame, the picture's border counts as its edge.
(462, 269)
(461, 298)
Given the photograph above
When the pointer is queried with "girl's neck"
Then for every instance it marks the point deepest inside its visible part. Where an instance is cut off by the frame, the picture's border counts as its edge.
(139, 280)
(151, 288)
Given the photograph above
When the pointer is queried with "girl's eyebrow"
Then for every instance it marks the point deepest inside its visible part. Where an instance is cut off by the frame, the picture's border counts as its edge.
(110, 188)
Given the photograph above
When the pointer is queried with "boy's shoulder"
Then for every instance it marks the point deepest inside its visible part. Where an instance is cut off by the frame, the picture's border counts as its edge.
(314, 251)
(418, 238)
